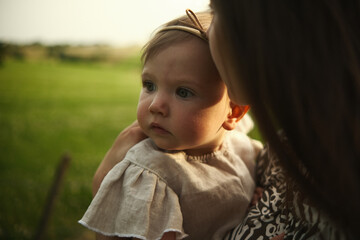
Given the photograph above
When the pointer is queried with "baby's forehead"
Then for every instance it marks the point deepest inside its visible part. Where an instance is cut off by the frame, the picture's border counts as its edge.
(192, 55)
(188, 60)
(172, 39)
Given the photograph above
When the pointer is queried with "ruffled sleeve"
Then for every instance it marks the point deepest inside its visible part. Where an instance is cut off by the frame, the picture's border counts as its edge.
(134, 202)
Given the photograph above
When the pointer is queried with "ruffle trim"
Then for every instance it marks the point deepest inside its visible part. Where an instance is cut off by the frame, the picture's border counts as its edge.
(179, 234)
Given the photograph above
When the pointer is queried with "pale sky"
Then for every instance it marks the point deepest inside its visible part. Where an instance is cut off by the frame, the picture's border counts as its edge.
(115, 22)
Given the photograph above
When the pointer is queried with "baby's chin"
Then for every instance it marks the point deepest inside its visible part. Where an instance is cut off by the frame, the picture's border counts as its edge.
(190, 152)
(166, 147)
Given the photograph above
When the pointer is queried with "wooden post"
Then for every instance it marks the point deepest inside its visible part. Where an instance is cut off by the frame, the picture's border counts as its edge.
(51, 197)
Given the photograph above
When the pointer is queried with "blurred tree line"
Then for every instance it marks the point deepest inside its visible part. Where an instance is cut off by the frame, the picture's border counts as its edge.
(66, 52)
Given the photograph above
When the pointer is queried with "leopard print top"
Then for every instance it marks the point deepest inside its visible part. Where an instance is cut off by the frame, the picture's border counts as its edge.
(268, 218)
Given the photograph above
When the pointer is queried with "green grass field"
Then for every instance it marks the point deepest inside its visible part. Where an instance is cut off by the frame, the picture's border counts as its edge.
(48, 108)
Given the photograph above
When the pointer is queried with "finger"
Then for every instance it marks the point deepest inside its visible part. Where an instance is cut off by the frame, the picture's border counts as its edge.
(278, 237)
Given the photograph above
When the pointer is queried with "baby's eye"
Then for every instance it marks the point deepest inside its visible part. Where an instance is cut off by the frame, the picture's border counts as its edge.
(184, 93)
(149, 86)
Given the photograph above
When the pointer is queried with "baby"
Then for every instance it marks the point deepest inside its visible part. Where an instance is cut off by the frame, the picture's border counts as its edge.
(192, 177)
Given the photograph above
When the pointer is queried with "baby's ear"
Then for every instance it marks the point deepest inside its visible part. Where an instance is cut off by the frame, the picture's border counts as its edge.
(235, 114)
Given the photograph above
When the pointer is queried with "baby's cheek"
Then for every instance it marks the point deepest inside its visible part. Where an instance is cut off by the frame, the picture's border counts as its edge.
(141, 116)
(194, 129)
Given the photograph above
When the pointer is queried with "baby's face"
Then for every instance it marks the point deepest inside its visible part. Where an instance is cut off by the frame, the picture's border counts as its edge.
(183, 102)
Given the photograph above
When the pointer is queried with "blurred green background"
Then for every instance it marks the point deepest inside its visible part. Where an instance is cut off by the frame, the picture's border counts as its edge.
(55, 100)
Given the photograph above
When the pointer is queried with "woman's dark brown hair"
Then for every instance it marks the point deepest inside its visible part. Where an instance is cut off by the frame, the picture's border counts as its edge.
(299, 63)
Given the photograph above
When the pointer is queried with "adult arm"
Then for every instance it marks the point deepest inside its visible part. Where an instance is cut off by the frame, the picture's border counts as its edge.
(124, 141)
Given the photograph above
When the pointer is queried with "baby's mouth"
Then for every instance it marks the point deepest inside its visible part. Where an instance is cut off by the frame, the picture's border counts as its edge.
(158, 128)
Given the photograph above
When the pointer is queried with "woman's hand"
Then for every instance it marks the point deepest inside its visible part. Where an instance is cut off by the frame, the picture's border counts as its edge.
(257, 196)
(279, 237)
(124, 141)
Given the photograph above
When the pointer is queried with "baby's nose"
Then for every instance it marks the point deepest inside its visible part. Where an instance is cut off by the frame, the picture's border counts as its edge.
(159, 105)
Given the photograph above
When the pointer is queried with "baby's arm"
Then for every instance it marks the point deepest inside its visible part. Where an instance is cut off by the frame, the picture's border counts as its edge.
(102, 237)
(169, 236)
(124, 141)
(166, 236)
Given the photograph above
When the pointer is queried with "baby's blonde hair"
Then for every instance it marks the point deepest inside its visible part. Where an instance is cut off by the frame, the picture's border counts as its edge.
(163, 39)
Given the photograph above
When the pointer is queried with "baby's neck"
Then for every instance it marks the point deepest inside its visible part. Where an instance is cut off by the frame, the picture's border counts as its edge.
(210, 147)
(202, 151)
(206, 148)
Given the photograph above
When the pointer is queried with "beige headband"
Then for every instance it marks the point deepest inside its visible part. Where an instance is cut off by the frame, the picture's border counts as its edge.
(196, 30)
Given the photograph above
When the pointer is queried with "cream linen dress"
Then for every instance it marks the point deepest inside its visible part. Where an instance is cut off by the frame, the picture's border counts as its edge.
(151, 192)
